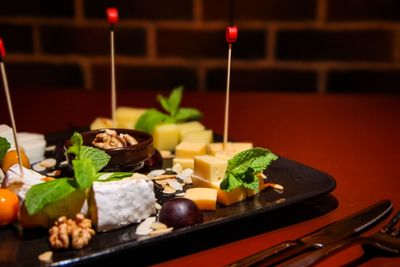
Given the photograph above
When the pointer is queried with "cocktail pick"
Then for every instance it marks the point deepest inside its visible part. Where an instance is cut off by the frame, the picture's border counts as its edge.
(231, 37)
(9, 104)
(112, 17)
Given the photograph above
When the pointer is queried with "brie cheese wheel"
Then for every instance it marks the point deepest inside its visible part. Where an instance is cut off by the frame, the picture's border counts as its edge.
(20, 185)
(115, 204)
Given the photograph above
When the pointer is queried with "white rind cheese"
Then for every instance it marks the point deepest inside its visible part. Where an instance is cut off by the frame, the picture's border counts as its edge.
(115, 204)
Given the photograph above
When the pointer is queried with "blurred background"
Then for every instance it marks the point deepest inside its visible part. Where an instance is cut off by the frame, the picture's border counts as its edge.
(313, 46)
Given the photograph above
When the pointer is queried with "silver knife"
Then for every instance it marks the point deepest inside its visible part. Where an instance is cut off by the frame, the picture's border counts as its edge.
(344, 228)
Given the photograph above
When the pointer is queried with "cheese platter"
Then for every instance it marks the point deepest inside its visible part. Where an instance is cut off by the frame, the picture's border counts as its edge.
(302, 184)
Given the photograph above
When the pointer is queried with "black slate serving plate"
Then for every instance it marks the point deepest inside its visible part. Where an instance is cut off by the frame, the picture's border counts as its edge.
(302, 186)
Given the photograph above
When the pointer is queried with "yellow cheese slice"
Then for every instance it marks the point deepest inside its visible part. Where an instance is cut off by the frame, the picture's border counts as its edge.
(231, 149)
(165, 136)
(190, 126)
(209, 167)
(204, 136)
(205, 198)
(185, 163)
(189, 150)
(223, 197)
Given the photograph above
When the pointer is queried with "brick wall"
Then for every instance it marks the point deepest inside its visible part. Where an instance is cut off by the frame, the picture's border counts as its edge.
(283, 45)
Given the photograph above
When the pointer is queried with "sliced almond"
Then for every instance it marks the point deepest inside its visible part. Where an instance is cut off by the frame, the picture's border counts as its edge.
(144, 228)
(177, 168)
(157, 206)
(54, 173)
(165, 176)
(48, 163)
(161, 231)
(38, 167)
(175, 185)
(182, 194)
(46, 257)
(162, 182)
(156, 173)
(158, 226)
(169, 190)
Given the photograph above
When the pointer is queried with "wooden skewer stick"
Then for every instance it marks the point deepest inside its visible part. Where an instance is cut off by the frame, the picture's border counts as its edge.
(9, 104)
(231, 37)
(112, 16)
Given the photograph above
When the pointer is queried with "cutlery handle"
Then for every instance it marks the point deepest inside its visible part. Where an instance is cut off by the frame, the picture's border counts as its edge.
(273, 254)
(313, 257)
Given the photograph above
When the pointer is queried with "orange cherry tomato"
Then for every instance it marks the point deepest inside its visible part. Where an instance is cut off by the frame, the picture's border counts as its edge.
(9, 205)
(11, 158)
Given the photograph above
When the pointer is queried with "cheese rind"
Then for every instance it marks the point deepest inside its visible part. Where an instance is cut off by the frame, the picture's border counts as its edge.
(115, 204)
(205, 198)
(165, 136)
(189, 150)
(223, 197)
(209, 167)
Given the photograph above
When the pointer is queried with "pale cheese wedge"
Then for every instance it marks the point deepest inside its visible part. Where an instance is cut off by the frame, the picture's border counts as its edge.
(185, 163)
(209, 167)
(189, 150)
(101, 123)
(166, 136)
(205, 198)
(127, 117)
(231, 149)
(190, 126)
(204, 136)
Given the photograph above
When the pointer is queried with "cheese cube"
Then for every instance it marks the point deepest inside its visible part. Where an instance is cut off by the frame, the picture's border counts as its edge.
(185, 163)
(7, 133)
(165, 136)
(115, 204)
(190, 126)
(223, 197)
(205, 136)
(101, 123)
(261, 186)
(34, 145)
(209, 167)
(205, 198)
(189, 150)
(126, 117)
(231, 149)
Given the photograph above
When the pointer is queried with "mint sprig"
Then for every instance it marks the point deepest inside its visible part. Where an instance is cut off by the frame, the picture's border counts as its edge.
(42, 194)
(244, 166)
(174, 113)
(87, 164)
(4, 147)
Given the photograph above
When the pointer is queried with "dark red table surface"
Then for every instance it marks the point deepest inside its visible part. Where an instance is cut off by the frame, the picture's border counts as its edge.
(354, 138)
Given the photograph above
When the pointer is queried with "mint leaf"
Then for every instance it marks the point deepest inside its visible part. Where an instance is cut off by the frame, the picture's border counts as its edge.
(152, 117)
(112, 176)
(244, 166)
(85, 172)
(76, 144)
(171, 105)
(98, 157)
(4, 147)
(188, 114)
(42, 194)
(149, 119)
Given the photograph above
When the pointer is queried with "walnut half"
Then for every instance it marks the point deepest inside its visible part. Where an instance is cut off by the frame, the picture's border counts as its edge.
(110, 139)
(75, 232)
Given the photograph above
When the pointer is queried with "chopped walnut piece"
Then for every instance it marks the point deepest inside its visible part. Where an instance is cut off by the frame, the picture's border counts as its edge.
(76, 232)
(110, 139)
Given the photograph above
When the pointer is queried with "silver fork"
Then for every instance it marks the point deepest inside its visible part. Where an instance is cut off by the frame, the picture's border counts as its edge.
(385, 242)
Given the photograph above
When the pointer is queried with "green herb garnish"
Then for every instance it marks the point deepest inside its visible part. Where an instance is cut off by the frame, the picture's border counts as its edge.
(4, 147)
(87, 164)
(152, 117)
(42, 194)
(243, 168)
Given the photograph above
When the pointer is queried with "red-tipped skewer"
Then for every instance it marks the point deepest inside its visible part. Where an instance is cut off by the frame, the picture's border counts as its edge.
(9, 104)
(231, 37)
(112, 17)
